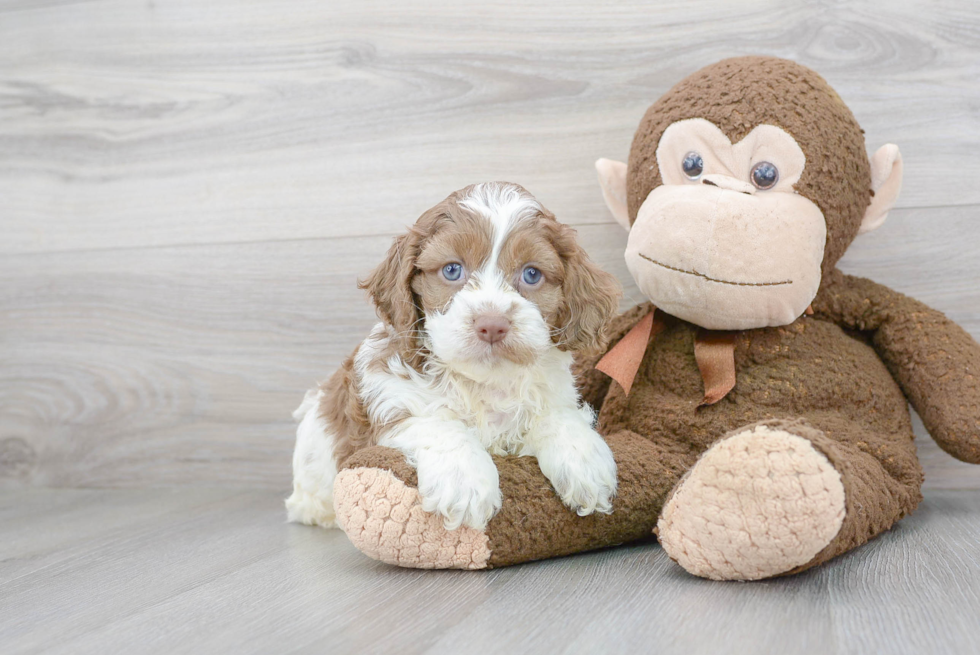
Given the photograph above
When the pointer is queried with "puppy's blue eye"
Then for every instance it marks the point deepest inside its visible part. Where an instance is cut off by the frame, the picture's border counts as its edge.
(531, 275)
(693, 165)
(452, 272)
(764, 175)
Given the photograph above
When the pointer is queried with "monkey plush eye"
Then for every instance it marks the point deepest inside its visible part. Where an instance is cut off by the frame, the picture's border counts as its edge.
(452, 272)
(531, 275)
(764, 175)
(692, 165)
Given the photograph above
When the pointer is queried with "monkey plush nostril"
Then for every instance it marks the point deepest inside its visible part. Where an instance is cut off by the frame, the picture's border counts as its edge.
(491, 329)
(728, 183)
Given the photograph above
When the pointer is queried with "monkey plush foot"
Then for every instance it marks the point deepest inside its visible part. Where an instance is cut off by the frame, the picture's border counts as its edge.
(758, 503)
(379, 508)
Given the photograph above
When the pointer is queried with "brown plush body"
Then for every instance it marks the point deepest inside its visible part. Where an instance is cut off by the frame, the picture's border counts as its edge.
(796, 374)
(811, 453)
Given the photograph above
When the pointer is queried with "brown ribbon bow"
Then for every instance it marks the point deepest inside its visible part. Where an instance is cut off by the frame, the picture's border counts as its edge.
(714, 352)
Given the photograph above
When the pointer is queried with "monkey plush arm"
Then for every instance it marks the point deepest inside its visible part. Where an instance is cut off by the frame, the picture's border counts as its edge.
(934, 360)
(593, 385)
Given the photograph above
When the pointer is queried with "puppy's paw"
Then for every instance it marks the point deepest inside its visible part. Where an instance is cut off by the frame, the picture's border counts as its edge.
(582, 471)
(462, 487)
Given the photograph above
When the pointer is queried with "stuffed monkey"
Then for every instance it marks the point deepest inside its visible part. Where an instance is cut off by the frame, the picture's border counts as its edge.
(757, 405)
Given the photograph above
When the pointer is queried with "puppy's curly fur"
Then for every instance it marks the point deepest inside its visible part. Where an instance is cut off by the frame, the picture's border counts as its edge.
(483, 303)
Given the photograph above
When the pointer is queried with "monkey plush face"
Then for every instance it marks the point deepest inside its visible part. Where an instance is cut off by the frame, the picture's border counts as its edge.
(726, 231)
(746, 183)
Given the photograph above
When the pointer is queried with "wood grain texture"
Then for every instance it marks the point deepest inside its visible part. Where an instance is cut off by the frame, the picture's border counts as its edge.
(172, 122)
(188, 191)
(182, 364)
(168, 571)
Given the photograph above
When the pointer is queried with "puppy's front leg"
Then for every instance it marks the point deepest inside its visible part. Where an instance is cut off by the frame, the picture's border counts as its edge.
(457, 477)
(575, 459)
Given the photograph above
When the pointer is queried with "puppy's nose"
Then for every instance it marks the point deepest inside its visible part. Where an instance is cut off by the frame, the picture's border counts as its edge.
(492, 328)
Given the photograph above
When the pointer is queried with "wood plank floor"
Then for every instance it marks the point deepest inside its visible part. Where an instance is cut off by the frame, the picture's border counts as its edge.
(217, 570)
(189, 191)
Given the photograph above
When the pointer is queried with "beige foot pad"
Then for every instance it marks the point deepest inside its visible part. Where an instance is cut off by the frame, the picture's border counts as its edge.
(759, 503)
(383, 518)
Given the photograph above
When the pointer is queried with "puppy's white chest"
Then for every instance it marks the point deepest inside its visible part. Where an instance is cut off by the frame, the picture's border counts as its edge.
(501, 420)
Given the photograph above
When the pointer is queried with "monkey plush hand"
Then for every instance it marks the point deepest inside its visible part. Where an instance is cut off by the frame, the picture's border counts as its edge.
(757, 405)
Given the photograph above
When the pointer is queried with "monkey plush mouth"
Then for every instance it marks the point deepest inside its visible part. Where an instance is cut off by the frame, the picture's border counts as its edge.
(711, 279)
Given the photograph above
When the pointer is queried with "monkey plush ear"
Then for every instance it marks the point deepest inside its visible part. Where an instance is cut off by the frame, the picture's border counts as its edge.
(886, 182)
(612, 179)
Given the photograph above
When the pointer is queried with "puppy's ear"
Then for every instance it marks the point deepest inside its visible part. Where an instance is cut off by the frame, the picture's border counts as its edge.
(591, 298)
(390, 287)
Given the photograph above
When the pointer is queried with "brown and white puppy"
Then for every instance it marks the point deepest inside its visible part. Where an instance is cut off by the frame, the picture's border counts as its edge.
(483, 303)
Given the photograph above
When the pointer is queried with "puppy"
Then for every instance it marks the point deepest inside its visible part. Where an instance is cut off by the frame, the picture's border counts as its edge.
(483, 304)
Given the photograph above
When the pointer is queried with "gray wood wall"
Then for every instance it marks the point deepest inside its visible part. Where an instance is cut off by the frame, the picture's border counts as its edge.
(189, 190)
